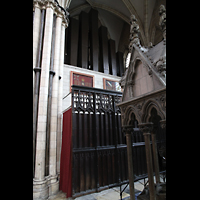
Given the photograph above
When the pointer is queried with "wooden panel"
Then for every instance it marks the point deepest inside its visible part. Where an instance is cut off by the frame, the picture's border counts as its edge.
(103, 44)
(72, 42)
(112, 57)
(83, 40)
(94, 39)
(120, 66)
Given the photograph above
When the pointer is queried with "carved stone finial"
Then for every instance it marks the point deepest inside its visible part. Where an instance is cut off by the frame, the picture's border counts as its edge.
(162, 22)
(134, 30)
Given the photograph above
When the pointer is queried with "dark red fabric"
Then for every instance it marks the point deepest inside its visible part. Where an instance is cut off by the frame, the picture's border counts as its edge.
(65, 161)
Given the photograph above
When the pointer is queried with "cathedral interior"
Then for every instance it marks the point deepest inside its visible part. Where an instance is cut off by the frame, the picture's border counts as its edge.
(99, 97)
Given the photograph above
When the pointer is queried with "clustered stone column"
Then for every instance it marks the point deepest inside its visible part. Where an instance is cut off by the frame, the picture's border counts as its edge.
(44, 186)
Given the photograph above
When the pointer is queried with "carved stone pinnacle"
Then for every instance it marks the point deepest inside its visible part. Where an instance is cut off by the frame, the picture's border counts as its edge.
(134, 30)
(162, 22)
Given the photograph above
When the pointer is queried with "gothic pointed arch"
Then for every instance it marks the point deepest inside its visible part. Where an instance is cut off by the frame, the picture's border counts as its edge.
(147, 108)
(128, 115)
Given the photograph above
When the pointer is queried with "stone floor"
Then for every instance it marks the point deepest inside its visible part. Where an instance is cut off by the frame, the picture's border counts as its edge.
(109, 194)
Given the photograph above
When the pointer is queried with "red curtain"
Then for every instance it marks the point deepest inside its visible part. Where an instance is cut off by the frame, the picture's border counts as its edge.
(65, 161)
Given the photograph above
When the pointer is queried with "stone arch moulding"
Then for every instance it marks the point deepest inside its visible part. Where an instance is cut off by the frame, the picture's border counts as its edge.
(147, 110)
(127, 115)
(133, 63)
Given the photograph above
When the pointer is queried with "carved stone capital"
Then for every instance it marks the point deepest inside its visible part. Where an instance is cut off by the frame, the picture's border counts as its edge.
(38, 4)
(163, 123)
(65, 22)
(146, 128)
(127, 129)
(37, 69)
(53, 4)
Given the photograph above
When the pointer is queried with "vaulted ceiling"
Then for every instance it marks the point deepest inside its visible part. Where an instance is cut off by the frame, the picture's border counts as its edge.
(115, 15)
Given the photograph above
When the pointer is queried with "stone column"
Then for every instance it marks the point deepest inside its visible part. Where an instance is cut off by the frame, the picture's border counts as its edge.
(103, 53)
(44, 186)
(54, 105)
(40, 188)
(147, 128)
(60, 96)
(36, 31)
(128, 130)
(36, 82)
(155, 156)
(43, 95)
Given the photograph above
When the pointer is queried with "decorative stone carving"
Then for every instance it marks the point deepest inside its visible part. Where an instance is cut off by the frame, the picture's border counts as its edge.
(53, 4)
(161, 66)
(127, 129)
(134, 30)
(162, 22)
(131, 82)
(162, 100)
(150, 72)
(146, 128)
(163, 123)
